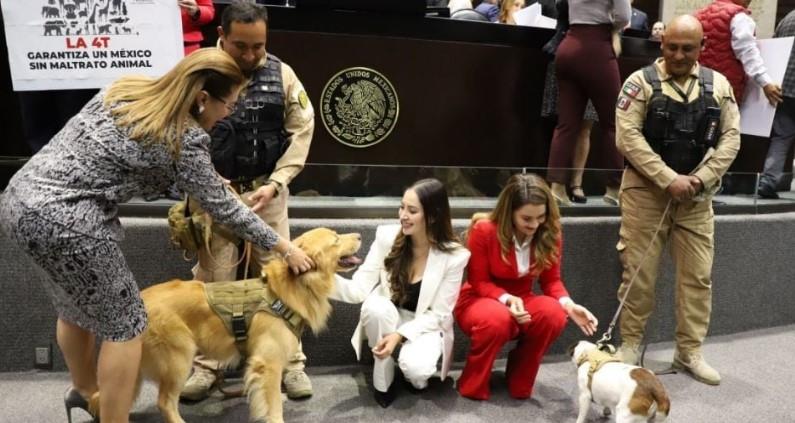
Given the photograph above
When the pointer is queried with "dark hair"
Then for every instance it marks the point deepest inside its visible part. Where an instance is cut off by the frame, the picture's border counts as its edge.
(243, 11)
(436, 209)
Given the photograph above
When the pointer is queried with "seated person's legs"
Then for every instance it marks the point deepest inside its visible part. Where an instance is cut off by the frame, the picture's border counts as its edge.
(489, 325)
(418, 358)
(379, 317)
(548, 322)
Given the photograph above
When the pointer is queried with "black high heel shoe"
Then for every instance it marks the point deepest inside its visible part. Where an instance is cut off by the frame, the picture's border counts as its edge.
(73, 399)
(580, 199)
(385, 399)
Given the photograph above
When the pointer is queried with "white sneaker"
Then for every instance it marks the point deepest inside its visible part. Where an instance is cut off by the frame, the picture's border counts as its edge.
(297, 384)
(611, 196)
(198, 385)
(628, 354)
(695, 364)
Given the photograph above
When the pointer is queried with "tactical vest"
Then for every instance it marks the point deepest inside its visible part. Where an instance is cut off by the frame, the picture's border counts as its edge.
(681, 133)
(718, 53)
(248, 143)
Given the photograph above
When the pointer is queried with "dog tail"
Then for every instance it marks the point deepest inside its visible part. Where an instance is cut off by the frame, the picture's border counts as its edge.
(662, 405)
(652, 398)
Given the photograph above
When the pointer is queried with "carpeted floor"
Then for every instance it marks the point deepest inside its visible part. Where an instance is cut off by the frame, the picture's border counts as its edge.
(757, 371)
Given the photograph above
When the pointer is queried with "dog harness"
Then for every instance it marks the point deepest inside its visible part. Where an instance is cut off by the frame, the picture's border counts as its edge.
(596, 359)
(237, 302)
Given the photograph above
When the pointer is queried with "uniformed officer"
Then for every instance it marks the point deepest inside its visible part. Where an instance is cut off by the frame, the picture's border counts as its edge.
(260, 148)
(677, 124)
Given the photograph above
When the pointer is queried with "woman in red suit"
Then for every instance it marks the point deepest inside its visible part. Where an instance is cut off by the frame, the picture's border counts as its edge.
(195, 14)
(518, 242)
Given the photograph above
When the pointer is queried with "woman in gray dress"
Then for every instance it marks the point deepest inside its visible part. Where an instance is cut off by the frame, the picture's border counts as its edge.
(133, 138)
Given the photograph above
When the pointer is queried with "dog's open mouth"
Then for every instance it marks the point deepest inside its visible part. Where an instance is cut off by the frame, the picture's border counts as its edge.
(348, 263)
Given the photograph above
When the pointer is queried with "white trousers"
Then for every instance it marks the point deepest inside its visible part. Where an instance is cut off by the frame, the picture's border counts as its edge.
(417, 358)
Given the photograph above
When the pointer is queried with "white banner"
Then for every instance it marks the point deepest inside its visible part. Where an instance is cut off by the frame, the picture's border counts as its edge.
(67, 44)
(756, 113)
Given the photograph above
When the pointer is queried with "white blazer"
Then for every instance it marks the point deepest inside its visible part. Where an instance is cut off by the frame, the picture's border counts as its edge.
(441, 283)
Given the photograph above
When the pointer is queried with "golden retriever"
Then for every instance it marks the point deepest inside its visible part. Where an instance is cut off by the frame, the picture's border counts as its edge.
(181, 324)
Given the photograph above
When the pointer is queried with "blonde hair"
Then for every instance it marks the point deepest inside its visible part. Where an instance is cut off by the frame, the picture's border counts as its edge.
(157, 110)
(505, 15)
(523, 189)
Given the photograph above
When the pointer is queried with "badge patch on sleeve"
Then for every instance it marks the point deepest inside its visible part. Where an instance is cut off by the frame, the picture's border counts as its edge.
(303, 99)
(623, 102)
(631, 89)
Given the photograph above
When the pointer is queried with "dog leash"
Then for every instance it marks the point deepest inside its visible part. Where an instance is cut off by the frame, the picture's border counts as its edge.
(604, 343)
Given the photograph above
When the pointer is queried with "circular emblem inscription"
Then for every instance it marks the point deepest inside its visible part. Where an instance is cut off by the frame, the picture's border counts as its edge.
(359, 107)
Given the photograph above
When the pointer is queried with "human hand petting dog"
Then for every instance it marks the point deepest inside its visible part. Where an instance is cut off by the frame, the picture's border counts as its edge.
(582, 317)
(295, 257)
(386, 345)
(516, 307)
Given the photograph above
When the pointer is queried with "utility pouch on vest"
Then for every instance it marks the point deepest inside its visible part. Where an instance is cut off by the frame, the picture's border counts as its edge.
(656, 128)
(709, 127)
(187, 231)
(681, 156)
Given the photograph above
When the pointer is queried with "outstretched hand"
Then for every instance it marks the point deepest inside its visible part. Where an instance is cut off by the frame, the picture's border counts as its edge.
(583, 318)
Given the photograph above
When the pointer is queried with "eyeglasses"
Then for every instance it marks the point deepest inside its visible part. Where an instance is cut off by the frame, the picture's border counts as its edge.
(229, 107)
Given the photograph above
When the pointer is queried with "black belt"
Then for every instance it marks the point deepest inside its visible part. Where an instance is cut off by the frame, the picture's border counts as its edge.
(245, 186)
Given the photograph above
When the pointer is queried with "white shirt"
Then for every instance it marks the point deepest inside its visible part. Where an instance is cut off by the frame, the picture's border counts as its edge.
(522, 252)
(745, 49)
(456, 5)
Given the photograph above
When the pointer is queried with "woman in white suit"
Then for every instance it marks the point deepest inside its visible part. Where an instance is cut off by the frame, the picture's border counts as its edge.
(408, 286)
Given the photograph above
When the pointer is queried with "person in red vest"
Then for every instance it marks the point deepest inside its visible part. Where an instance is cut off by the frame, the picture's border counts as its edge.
(195, 14)
(730, 47)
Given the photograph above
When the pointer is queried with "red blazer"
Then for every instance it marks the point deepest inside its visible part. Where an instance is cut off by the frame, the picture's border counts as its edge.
(191, 29)
(488, 275)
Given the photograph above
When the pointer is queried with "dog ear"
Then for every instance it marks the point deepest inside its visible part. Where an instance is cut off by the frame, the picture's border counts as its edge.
(570, 349)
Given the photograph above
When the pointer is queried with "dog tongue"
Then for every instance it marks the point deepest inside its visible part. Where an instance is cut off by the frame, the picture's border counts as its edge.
(351, 260)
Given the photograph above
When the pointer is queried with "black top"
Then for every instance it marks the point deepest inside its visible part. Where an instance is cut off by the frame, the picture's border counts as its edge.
(413, 297)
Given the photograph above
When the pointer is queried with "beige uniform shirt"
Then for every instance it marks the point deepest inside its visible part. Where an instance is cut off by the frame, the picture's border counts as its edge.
(631, 114)
(299, 122)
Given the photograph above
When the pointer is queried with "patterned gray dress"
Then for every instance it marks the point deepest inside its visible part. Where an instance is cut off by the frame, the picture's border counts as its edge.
(62, 209)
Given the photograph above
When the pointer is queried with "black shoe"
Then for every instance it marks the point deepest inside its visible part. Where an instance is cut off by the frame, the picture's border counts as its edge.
(580, 199)
(765, 191)
(73, 399)
(411, 388)
(385, 399)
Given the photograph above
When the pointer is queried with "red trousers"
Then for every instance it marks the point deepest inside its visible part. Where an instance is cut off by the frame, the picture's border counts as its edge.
(489, 325)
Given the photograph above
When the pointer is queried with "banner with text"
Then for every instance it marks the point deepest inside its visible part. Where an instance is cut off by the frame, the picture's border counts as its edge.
(68, 44)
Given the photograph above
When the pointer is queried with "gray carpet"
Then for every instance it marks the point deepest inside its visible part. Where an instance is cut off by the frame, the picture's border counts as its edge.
(756, 366)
